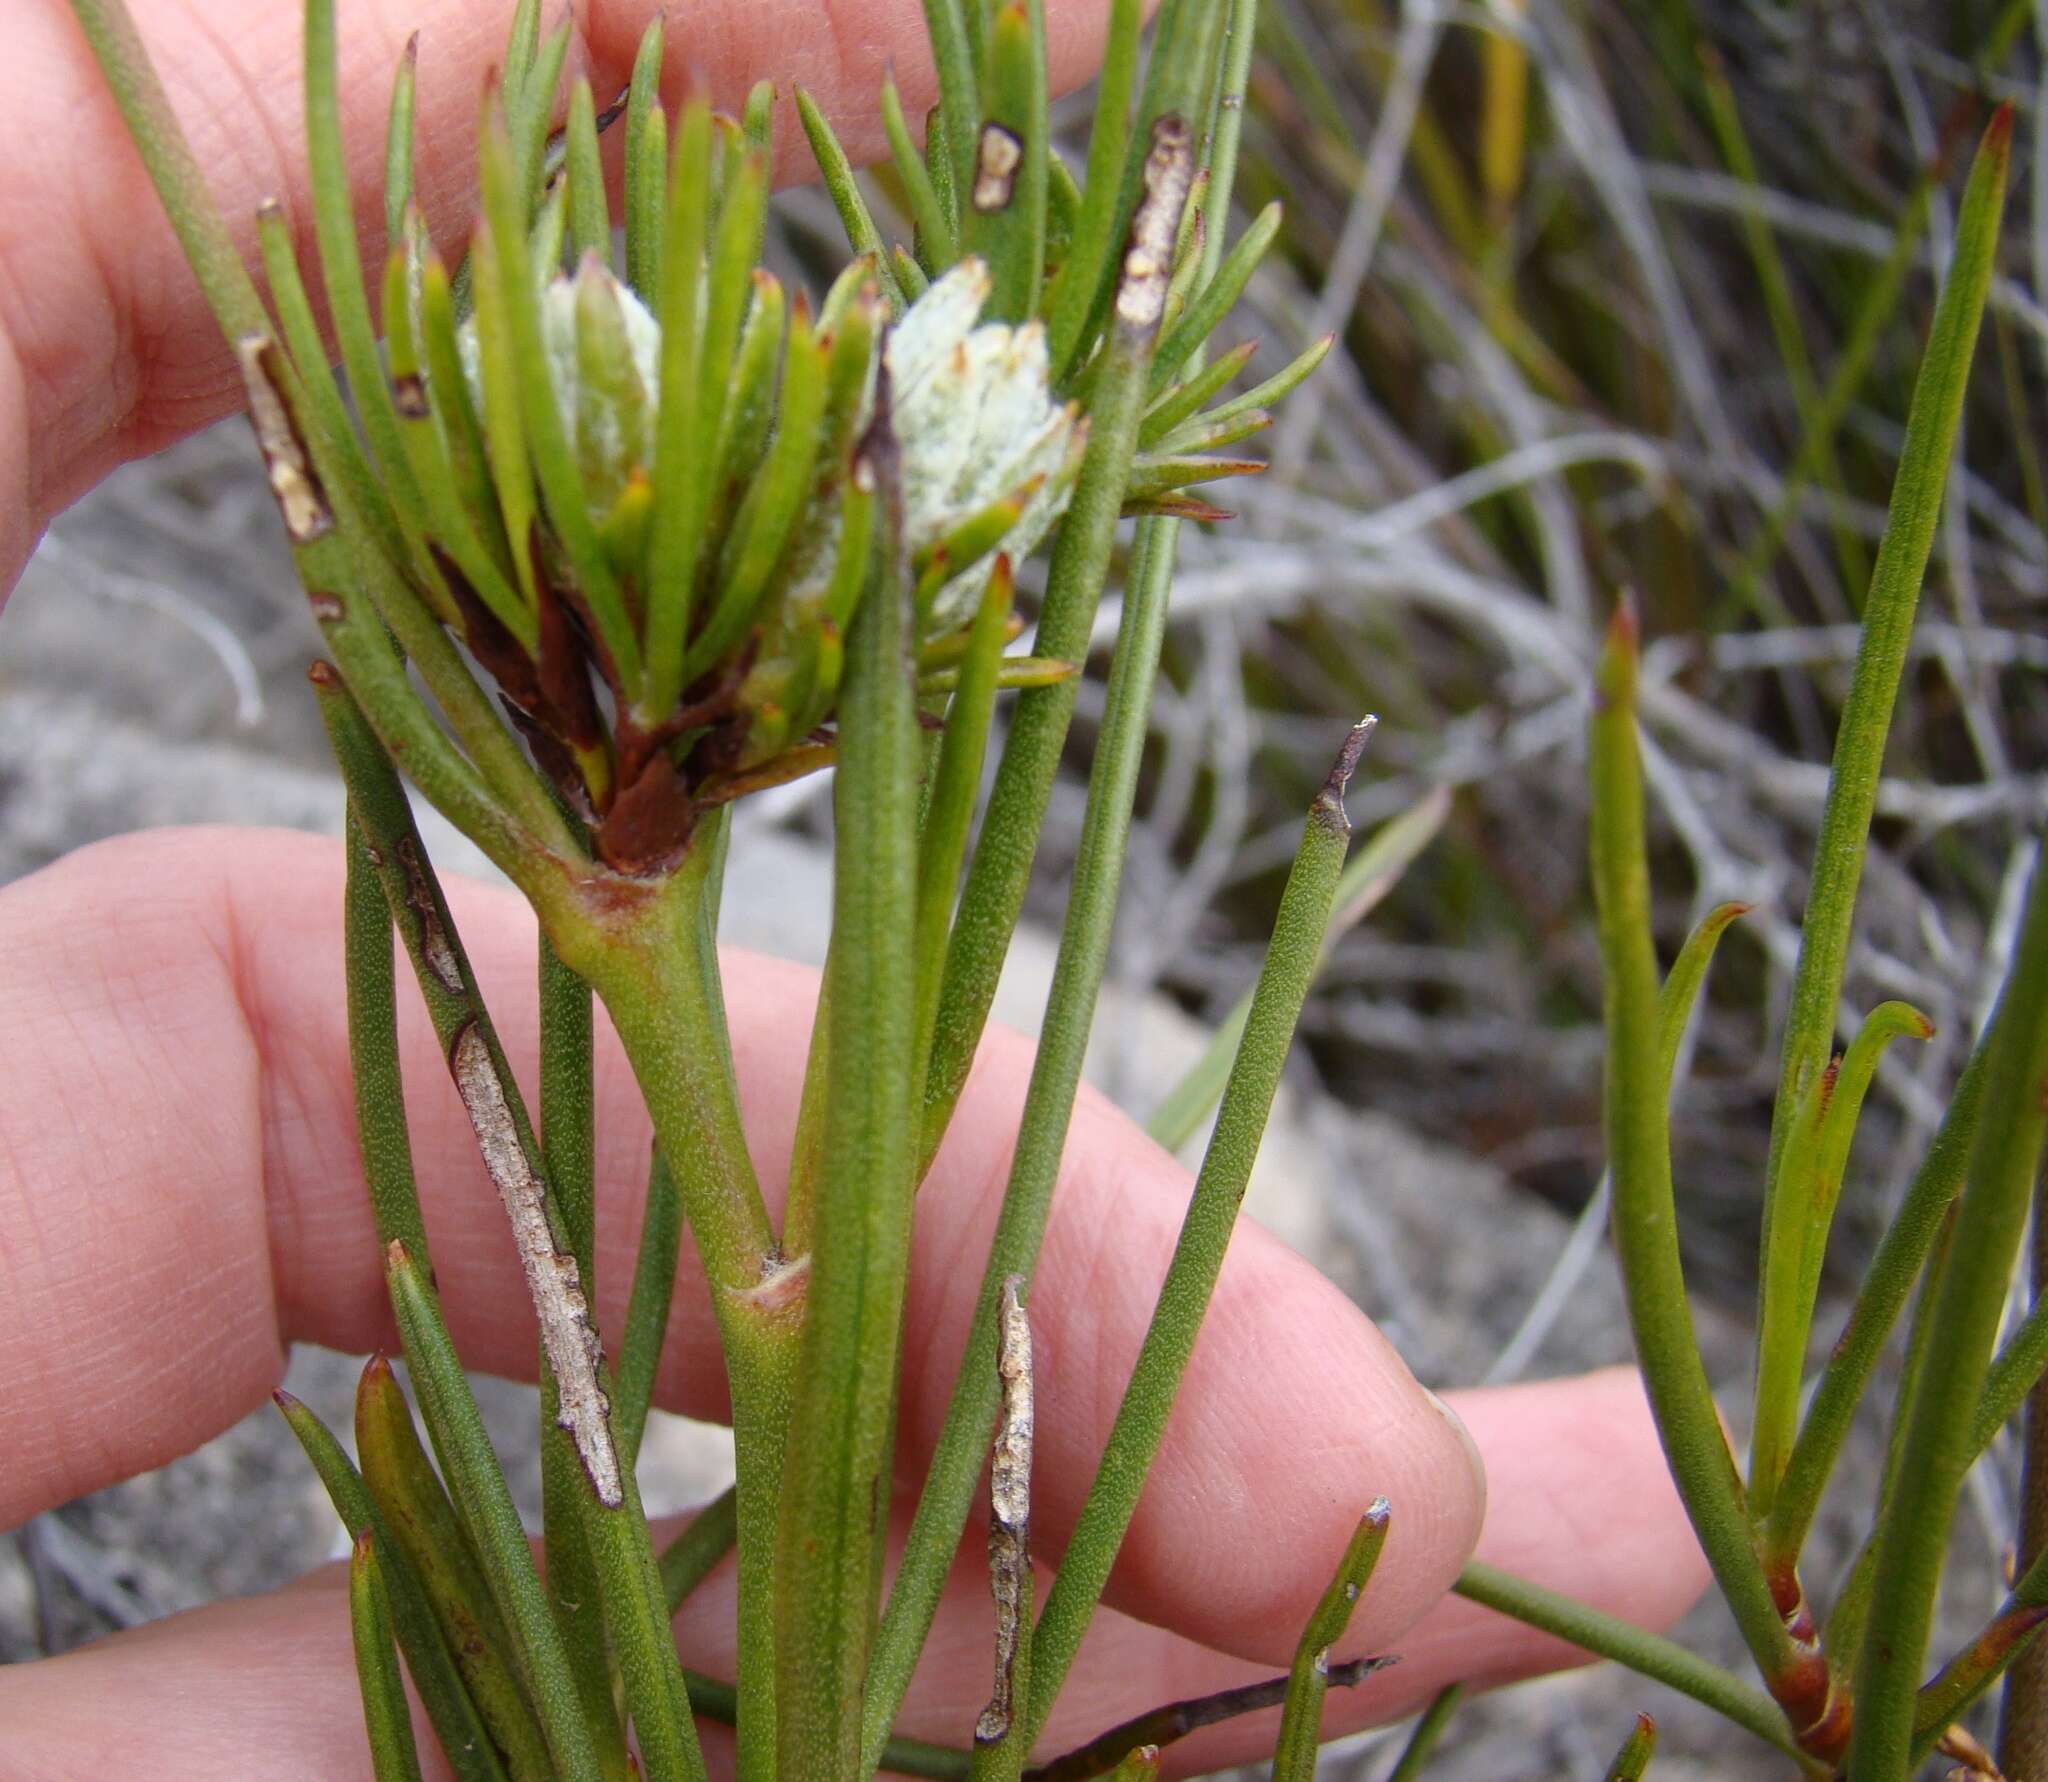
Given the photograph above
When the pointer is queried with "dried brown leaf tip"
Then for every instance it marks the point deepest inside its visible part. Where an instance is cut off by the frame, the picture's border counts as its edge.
(1009, 1504)
(1329, 803)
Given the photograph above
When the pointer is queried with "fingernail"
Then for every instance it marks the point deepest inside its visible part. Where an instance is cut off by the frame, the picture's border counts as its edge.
(1464, 1436)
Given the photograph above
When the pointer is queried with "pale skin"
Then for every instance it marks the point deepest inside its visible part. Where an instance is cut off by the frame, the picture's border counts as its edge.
(179, 1185)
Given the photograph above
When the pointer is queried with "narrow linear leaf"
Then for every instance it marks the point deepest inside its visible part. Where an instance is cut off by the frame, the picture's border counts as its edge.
(1913, 512)
(478, 1488)
(1647, 1654)
(424, 1527)
(937, 247)
(836, 1489)
(646, 182)
(1301, 1715)
(398, 141)
(465, 1743)
(695, 1553)
(1290, 965)
(1430, 1729)
(1639, 1158)
(836, 171)
(1912, 1535)
(1633, 1759)
(1372, 872)
(647, 1307)
(386, 1716)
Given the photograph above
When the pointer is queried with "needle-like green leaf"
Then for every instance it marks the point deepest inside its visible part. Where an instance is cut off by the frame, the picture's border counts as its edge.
(477, 1485)
(1004, 223)
(398, 142)
(453, 1716)
(424, 1527)
(1639, 1157)
(937, 247)
(841, 187)
(647, 1308)
(1301, 1716)
(1291, 959)
(1915, 507)
(646, 169)
(590, 222)
(386, 1717)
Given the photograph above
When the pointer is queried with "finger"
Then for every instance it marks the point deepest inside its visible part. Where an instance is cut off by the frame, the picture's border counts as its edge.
(242, 1685)
(106, 349)
(178, 1134)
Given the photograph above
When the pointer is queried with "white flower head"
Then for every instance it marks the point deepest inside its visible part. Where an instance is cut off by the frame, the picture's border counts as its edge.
(976, 423)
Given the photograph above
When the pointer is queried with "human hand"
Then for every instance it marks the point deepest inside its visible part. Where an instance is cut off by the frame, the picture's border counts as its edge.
(182, 1200)
(107, 351)
(178, 1176)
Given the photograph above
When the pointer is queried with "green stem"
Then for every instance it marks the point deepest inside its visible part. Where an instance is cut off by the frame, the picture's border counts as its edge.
(642, 945)
(835, 1490)
(1647, 1654)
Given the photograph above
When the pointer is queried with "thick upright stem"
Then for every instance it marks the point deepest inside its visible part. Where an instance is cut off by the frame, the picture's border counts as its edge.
(639, 944)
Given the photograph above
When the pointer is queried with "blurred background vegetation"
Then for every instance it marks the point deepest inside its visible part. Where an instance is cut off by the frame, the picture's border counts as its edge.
(1628, 297)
